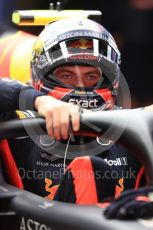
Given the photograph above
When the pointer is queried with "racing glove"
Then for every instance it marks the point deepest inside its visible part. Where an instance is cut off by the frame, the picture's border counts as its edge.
(132, 204)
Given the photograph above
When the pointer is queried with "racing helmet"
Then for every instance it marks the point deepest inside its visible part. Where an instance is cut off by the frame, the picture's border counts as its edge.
(77, 42)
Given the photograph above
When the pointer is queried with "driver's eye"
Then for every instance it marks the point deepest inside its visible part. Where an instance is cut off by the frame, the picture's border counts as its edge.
(91, 77)
(67, 77)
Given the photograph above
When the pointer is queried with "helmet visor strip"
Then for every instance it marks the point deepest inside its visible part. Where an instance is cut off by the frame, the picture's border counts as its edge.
(82, 52)
(87, 46)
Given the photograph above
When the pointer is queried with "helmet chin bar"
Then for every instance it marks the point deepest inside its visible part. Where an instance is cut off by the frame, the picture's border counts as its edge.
(94, 100)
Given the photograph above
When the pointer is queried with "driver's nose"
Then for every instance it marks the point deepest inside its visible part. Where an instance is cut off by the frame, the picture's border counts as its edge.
(80, 83)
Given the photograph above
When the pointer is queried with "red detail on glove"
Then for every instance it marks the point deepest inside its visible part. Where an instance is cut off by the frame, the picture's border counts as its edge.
(143, 198)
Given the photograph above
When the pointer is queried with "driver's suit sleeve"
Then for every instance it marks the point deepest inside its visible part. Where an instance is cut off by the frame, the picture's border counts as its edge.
(15, 95)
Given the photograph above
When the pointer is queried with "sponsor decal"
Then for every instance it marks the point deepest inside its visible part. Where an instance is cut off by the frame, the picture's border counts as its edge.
(86, 100)
(74, 34)
(83, 92)
(55, 165)
(41, 163)
(82, 44)
(50, 43)
(30, 224)
(117, 162)
(119, 188)
(38, 48)
(83, 57)
(85, 103)
(52, 190)
(82, 33)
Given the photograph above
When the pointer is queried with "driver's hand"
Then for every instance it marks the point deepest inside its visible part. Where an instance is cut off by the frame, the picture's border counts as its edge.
(58, 115)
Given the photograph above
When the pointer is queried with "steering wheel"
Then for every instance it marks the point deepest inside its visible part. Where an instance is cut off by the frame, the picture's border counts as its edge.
(134, 131)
